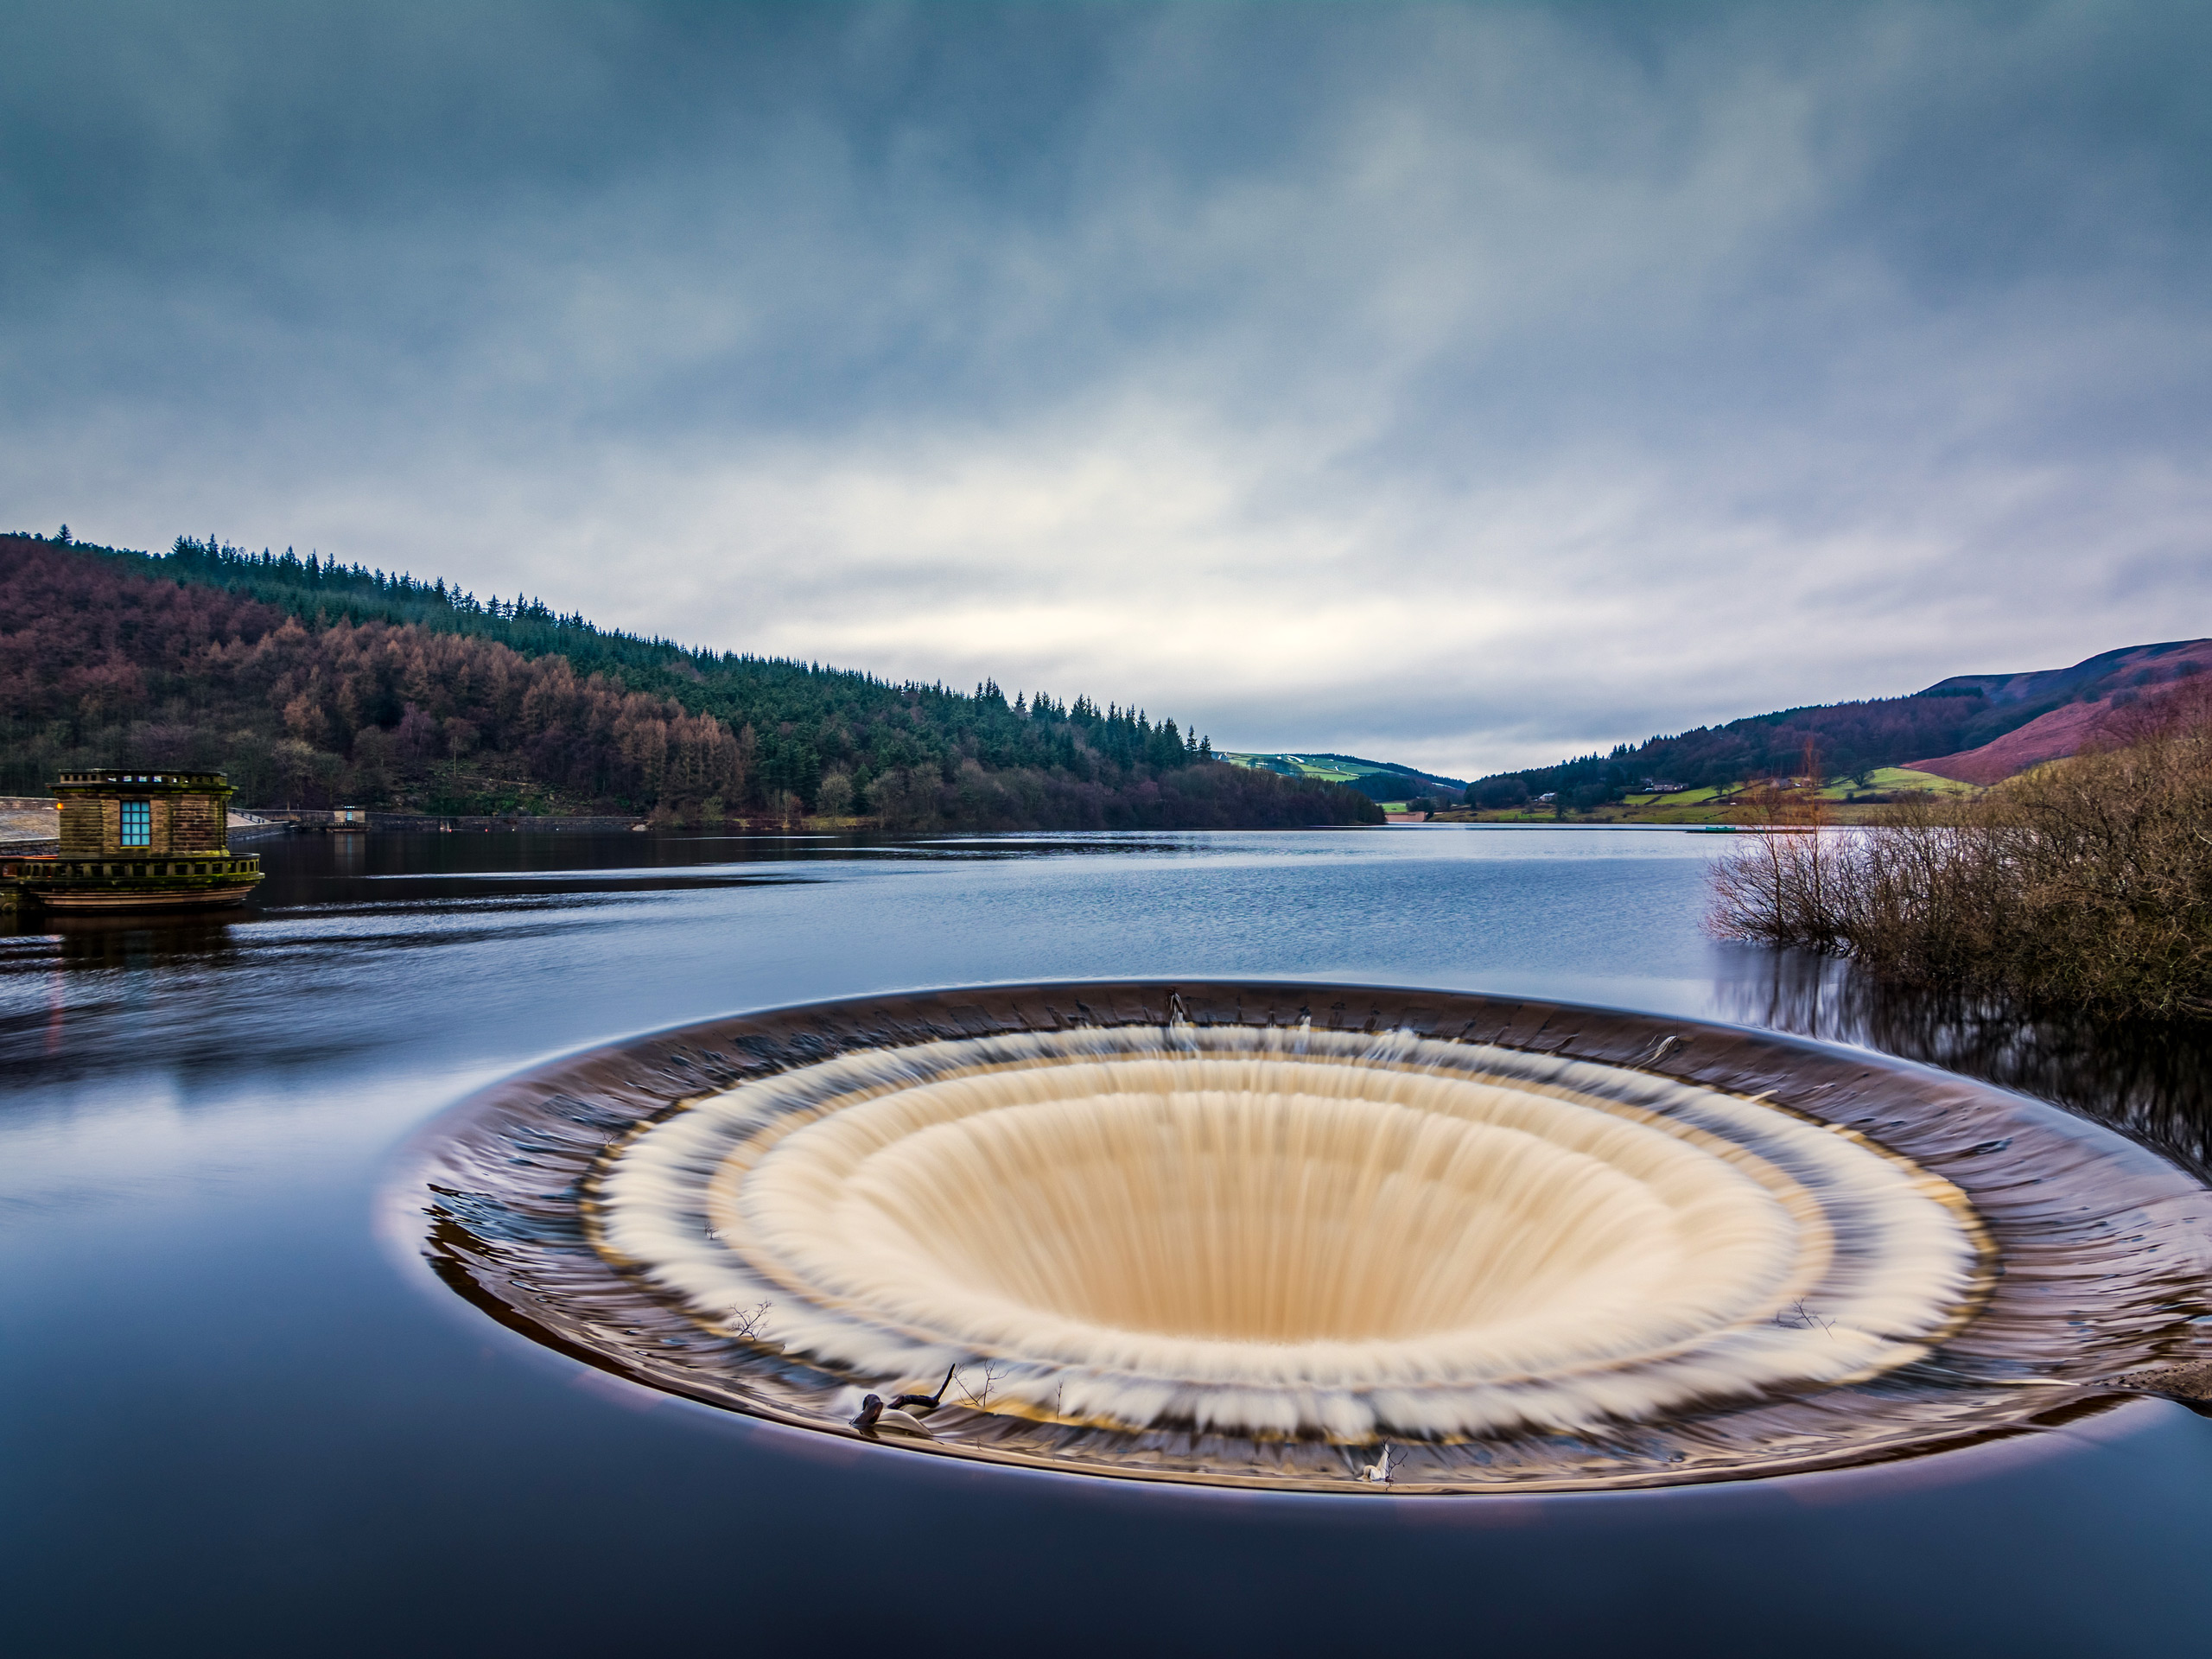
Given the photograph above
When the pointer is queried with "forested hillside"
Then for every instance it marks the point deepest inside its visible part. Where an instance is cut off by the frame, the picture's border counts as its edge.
(313, 683)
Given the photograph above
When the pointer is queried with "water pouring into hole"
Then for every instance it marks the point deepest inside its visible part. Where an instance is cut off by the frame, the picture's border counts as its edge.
(1312, 1235)
(1218, 1249)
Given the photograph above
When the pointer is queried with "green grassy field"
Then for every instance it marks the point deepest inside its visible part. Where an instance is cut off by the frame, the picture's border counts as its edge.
(1323, 768)
(1897, 778)
(1886, 780)
(1843, 797)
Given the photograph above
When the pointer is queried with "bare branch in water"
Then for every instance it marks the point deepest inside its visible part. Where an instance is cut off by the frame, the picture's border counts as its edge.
(747, 1324)
(1804, 1319)
(992, 1371)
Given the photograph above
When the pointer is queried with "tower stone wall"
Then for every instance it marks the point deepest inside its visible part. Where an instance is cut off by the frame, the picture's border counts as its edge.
(189, 812)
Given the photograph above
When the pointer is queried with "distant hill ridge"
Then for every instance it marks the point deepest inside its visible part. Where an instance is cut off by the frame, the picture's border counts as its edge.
(1976, 728)
(2097, 691)
(1379, 780)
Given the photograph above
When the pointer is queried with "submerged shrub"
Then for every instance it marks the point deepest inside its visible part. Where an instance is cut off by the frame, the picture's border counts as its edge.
(2085, 883)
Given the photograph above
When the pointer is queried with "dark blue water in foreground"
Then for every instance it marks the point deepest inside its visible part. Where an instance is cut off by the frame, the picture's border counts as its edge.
(229, 1421)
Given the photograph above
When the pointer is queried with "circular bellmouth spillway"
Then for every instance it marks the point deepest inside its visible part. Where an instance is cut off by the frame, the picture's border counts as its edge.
(1256, 1234)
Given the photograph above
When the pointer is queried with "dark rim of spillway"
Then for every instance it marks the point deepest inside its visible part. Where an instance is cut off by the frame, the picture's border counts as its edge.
(2093, 1254)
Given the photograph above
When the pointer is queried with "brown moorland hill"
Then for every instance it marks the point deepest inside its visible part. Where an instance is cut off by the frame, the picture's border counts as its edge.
(2123, 688)
(1959, 720)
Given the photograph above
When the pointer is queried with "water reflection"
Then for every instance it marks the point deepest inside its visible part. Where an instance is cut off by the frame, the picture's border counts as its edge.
(2151, 1081)
(220, 1393)
(93, 942)
(1474, 910)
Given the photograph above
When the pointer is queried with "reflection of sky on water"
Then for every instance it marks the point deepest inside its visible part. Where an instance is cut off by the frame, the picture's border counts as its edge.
(220, 1393)
(444, 944)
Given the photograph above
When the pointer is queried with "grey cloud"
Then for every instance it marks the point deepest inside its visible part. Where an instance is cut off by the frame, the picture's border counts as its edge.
(1584, 351)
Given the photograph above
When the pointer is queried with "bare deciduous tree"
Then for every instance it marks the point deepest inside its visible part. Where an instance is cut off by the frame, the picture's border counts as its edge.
(2084, 883)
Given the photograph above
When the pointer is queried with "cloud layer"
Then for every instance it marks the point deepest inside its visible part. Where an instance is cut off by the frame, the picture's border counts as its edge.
(1460, 386)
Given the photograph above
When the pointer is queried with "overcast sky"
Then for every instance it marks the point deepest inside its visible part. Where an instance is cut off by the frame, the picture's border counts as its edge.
(1460, 386)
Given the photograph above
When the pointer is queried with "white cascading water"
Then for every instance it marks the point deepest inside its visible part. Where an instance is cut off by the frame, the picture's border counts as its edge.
(1271, 1232)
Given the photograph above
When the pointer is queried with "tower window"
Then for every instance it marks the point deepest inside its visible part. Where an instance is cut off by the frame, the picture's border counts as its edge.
(137, 823)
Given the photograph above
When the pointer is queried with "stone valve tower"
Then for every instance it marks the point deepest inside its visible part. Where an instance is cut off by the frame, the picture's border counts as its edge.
(136, 841)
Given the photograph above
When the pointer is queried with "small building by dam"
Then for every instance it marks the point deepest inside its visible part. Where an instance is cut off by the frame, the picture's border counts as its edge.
(136, 840)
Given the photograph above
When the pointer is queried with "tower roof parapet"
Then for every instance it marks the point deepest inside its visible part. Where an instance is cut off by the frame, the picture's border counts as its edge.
(133, 780)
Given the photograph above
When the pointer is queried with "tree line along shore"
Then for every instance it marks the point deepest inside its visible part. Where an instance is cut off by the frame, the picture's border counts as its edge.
(314, 684)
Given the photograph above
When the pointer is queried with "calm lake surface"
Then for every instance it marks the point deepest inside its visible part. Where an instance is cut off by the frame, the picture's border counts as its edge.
(232, 1421)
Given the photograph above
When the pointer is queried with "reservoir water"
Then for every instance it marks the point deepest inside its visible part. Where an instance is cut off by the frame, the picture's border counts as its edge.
(233, 1419)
